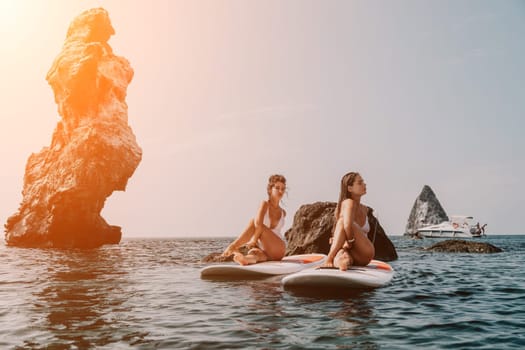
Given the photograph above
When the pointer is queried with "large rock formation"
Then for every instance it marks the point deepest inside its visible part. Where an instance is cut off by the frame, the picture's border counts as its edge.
(93, 151)
(312, 228)
(426, 211)
(462, 246)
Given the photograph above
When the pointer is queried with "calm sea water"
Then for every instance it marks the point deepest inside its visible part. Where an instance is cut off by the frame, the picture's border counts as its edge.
(147, 294)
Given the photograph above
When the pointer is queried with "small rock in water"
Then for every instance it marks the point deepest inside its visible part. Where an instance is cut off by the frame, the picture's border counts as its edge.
(219, 258)
(461, 246)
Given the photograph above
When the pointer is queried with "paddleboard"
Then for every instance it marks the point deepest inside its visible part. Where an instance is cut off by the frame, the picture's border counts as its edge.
(289, 264)
(375, 274)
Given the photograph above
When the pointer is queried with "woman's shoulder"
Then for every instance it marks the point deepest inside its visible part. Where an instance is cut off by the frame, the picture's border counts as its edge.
(348, 202)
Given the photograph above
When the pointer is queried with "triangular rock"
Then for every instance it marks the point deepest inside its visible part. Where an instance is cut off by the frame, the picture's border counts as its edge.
(426, 211)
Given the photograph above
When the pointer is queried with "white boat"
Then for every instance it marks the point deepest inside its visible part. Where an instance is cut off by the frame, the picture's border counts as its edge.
(458, 226)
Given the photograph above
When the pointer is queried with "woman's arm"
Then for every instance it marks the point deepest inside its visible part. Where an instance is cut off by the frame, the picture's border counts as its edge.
(259, 217)
(348, 209)
(342, 231)
(258, 223)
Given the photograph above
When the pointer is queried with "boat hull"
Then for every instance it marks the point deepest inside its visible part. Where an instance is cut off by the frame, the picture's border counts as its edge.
(444, 234)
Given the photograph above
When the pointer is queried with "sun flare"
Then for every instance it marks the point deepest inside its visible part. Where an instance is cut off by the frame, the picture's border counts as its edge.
(10, 13)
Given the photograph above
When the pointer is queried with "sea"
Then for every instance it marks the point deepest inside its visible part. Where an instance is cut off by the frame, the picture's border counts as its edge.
(148, 294)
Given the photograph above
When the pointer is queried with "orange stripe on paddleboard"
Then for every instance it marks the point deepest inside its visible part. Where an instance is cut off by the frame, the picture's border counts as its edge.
(380, 265)
(306, 259)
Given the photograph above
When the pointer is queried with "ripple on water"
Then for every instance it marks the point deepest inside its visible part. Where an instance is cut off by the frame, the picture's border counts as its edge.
(147, 293)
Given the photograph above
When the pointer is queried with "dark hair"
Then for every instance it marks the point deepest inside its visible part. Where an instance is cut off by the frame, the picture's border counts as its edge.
(347, 180)
(272, 180)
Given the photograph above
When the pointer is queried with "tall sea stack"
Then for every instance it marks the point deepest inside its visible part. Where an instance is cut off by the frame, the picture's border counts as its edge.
(426, 211)
(93, 151)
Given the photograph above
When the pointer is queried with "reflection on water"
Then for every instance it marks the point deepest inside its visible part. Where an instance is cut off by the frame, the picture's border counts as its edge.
(147, 294)
(358, 314)
(264, 301)
(328, 293)
(348, 319)
(304, 318)
(82, 301)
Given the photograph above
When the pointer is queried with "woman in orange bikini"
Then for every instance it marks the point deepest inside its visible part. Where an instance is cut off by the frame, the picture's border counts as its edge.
(350, 244)
(263, 235)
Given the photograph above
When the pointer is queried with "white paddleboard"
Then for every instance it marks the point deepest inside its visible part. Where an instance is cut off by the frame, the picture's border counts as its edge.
(375, 274)
(289, 264)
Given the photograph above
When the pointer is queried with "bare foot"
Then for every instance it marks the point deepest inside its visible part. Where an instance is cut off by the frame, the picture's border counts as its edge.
(326, 264)
(345, 261)
(240, 259)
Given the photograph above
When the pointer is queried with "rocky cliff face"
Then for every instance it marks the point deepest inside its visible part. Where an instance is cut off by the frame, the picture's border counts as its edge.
(312, 228)
(93, 151)
(426, 211)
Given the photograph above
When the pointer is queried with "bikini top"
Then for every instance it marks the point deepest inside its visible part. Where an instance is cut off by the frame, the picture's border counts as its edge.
(366, 227)
(277, 229)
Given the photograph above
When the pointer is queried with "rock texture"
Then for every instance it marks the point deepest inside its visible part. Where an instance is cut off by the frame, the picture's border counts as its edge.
(93, 151)
(312, 228)
(461, 246)
(426, 211)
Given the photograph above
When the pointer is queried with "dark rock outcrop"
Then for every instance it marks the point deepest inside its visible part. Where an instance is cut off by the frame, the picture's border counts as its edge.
(312, 228)
(93, 151)
(219, 258)
(462, 246)
(426, 211)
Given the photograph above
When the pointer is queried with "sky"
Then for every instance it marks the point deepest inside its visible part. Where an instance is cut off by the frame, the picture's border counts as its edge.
(226, 93)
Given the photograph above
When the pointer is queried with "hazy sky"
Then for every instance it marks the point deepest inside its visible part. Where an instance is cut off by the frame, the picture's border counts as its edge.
(226, 93)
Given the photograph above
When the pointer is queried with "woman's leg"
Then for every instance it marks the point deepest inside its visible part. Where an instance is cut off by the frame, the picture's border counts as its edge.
(274, 247)
(254, 256)
(343, 259)
(362, 250)
(338, 240)
(243, 238)
(359, 252)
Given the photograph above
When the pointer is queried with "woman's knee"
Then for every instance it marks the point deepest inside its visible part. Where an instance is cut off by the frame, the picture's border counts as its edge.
(363, 256)
(275, 252)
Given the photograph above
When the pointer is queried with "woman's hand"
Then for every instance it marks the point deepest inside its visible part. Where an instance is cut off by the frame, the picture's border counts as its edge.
(251, 244)
(230, 250)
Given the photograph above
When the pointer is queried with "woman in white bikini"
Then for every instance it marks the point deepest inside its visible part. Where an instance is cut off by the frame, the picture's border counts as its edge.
(350, 243)
(263, 235)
